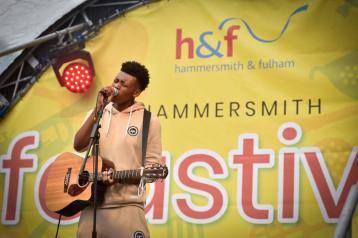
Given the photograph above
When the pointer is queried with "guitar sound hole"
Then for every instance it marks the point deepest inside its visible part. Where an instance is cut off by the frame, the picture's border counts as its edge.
(83, 179)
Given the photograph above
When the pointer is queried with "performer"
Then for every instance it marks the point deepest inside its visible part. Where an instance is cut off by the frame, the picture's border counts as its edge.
(121, 214)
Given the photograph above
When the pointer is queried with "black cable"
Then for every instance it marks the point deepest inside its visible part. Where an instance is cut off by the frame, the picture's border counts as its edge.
(58, 225)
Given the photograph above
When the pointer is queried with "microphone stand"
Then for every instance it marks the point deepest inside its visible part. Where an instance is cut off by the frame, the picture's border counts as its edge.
(94, 145)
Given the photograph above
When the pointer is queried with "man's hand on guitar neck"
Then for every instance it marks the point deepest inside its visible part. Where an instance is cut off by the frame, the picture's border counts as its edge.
(107, 177)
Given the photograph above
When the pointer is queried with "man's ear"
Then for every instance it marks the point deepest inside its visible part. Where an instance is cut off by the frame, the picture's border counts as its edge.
(137, 93)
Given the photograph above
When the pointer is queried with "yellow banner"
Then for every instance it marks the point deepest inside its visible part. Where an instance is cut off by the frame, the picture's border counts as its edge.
(258, 106)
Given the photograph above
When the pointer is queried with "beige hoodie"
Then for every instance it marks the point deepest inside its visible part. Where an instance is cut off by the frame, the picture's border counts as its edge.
(121, 142)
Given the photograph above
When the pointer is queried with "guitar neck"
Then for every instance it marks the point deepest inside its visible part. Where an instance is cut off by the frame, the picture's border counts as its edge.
(126, 174)
(120, 175)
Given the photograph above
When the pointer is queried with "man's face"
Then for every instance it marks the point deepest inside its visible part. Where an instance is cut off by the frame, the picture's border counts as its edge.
(127, 86)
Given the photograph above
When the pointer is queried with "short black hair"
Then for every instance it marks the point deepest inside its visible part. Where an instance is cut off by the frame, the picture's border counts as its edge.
(137, 70)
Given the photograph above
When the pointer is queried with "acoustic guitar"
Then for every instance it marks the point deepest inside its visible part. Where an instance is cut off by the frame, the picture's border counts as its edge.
(68, 193)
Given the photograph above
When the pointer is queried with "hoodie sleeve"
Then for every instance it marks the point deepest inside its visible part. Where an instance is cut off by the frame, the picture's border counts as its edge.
(154, 144)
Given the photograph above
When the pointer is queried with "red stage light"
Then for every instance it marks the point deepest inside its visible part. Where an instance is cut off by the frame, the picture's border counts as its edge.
(77, 77)
(78, 70)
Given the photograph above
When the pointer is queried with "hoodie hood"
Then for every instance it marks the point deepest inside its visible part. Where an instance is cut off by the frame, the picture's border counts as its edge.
(112, 111)
(136, 106)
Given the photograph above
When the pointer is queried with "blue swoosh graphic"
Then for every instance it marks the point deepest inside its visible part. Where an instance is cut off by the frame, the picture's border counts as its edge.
(298, 10)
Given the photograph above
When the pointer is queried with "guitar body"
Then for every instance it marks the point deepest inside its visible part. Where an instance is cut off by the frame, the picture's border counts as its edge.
(64, 194)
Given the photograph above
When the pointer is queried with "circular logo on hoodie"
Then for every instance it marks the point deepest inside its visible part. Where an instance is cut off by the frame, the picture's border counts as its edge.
(132, 131)
(138, 234)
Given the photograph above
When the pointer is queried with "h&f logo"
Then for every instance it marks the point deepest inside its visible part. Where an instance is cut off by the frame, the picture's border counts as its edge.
(207, 50)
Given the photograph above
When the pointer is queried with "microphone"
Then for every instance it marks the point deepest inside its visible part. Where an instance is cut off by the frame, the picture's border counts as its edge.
(107, 92)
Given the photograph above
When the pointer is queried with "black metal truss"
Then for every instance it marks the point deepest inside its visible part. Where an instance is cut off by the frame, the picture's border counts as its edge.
(18, 78)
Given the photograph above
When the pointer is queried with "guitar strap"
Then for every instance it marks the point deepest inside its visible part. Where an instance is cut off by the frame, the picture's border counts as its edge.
(146, 121)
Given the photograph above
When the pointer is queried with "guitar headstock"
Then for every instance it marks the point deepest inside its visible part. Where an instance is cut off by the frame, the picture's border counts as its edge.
(156, 171)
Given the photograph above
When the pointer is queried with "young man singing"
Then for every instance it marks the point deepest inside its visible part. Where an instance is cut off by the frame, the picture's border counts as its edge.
(121, 213)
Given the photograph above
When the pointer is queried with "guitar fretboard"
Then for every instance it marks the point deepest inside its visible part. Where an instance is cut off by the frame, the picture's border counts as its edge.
(125, 174)
(119, 175)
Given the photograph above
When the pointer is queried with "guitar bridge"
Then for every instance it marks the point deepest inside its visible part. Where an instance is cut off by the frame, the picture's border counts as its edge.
(66, 180)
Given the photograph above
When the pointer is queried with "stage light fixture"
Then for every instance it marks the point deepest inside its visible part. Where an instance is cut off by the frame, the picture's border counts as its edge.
(74, 70)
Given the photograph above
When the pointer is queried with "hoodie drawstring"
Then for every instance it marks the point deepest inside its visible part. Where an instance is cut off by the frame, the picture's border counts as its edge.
(109, 119)
(129, 120)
